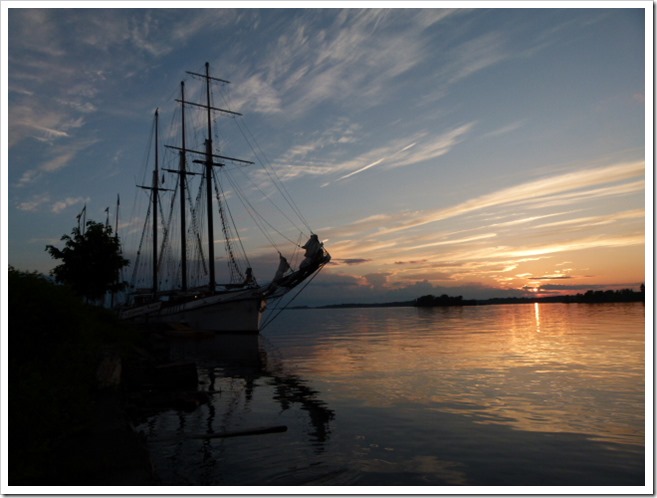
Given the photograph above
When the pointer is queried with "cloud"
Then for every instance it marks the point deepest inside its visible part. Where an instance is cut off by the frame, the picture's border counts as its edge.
(49, 123)
(319, 57)
(447, 242)
(475, 55)
(589, 221)
(63, 60)
(535, 192)
(60, 157)
(330, 288)
(350, 261)
(380, 236)
(33, 204)
(38, 201)
(504, 130)
(364, 168)
(591, 194)
(361, 49)
(399, 152)
(60, 206)
(580, 244)
(377, 280)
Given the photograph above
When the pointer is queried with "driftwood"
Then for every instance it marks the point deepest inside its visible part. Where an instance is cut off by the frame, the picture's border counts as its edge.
(217, 435)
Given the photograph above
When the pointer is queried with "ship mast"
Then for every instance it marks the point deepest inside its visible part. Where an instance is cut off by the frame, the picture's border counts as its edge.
(156, 174)
(183, 242)
(154, 195)
(155, 190)
(209, 163)
(208, 180)
(182, 171)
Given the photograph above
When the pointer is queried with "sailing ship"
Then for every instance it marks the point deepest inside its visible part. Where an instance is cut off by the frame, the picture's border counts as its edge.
(199, 301)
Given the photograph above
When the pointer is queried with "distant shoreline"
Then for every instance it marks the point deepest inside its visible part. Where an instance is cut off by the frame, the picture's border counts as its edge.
(590, 297)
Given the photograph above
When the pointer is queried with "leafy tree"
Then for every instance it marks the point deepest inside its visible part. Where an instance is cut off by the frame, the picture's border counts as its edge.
(91, 261)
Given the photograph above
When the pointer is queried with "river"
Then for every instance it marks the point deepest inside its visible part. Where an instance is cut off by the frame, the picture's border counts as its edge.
(502, 395)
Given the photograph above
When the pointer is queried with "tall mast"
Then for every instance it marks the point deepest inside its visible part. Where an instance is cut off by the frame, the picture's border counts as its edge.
(208, 178)
(183, 242)
(155, 195)
(155, 192)
(116, 238)
(116, 225)
(209, 162)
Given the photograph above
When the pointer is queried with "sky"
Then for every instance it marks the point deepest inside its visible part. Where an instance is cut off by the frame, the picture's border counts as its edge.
(448, 149)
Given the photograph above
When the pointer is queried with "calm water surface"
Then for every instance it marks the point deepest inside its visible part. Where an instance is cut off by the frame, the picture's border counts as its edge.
(545, 394)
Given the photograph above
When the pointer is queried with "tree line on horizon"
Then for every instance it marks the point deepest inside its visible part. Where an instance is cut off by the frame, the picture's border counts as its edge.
(590, 296)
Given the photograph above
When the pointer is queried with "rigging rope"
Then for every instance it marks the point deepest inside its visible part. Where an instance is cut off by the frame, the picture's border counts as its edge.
(266, 165)
(166, 229)
(199, 205)
(233, 266)
(141, 242)
(254, 214)
(273, 176)
(269, 320)
(234, 225)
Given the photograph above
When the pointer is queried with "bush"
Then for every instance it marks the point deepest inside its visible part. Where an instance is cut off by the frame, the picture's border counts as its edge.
(55, 343)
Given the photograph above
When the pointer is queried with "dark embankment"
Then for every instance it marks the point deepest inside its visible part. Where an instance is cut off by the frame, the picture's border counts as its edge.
(67, 425)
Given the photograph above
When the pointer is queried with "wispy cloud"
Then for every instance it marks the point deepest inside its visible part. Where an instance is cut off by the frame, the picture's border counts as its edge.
(480, 249)
(312, 62)
(474, 55)
(34, 203)
(503, 130)
(400, 152)
(60, 69)
(589, 221)
(60, 157)
(535, 191)
(63, 204)
(449, 242)
(364, 168)
(580, 244)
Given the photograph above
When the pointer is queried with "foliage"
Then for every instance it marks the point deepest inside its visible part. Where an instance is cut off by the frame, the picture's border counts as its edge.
(599, 296)
(91, 261)
(55, 343)
(443, 300)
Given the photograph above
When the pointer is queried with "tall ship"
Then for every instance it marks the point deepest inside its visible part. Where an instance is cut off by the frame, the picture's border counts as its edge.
(192, 189)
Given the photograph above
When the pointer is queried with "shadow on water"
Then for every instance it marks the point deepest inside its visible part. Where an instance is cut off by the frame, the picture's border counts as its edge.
(240, 404)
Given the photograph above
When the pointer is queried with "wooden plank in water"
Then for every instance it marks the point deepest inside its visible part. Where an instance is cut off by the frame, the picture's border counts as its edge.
(254, 431)
(244, 432)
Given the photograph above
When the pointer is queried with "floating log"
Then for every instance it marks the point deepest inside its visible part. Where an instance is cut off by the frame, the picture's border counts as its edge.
(245, 432)
(217, 435)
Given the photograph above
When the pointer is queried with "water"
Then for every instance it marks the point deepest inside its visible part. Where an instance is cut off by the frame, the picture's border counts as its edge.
(544, 395)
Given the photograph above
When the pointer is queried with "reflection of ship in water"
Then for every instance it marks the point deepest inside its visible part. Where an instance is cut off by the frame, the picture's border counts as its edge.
(241, 357)
(240, 387)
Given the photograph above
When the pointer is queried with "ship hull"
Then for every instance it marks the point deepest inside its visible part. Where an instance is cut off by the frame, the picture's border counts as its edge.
(239, 312)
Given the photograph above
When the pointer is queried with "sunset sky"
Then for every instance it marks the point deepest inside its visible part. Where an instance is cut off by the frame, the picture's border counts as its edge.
(480, 152)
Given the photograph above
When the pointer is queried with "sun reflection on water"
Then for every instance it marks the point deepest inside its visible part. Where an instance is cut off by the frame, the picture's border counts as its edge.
(537, 314)
(540, 367)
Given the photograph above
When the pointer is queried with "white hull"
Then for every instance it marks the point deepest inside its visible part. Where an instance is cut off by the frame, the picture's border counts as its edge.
(231, 312)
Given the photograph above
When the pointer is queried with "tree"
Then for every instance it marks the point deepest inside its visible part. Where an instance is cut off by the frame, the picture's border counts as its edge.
(91, 261)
